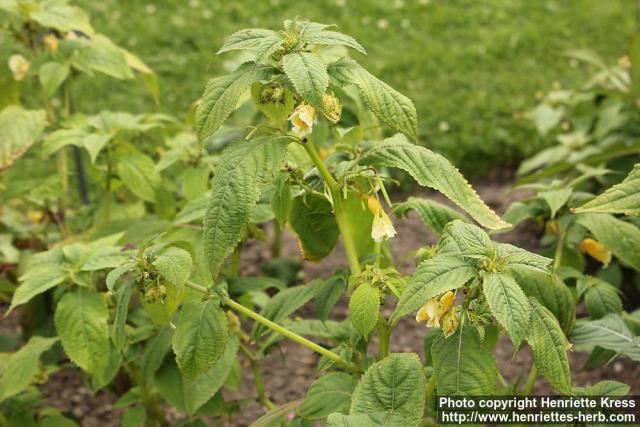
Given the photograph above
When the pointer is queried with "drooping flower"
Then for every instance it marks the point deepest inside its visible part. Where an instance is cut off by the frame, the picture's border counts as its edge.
(449, 323)
(382, 227)
(597, 250)
(302, 120)
(434, 310)
(332, 107)
(19, 66)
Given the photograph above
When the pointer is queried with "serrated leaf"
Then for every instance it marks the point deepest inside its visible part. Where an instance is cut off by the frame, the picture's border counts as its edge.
(311, 216)
(393, 386)
(432, 277)
(81, 321)
(155, 352)
(332, 38)
(329, 295)
(463, 366)
(623, 198)
(281, 198)
(364, 308)
(249, 38)
(328, 394)
(22, 366)
(201, 336)
(390, 106)
(362, 420)
(115, 274)
(61, 138)
(520, 259)
(603, 388)
(19, 130)
(36, 280)
(609, 332)
(309, 76)
(174, 264)
(52, 75)
(556, 198)
(101, 55)
(621, 237)
(508, 303)
(189, 394)
(245, 168)
(137, 173)
(601, 298)
(286, 302)
(432, 170)
(460, 238)
(118, 333)
(433, 214)
(221, 96)
(549, 346)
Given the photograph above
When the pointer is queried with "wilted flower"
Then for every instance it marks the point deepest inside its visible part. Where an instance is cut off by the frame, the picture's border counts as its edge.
(597, 250)
(332, 107)
(449, 323)
(19, 66)
(434, 310)
(302, 119)
(382, 227)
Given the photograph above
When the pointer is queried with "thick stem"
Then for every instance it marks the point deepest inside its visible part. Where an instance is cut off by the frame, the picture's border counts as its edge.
(531, 381)
(338, 207)
(384, 334)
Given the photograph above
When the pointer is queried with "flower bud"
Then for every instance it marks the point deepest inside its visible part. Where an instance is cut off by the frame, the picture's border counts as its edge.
(596, 250)
(19, 66)
(332, 107)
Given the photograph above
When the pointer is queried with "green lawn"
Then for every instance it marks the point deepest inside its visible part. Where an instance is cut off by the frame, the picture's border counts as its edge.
(469, 65)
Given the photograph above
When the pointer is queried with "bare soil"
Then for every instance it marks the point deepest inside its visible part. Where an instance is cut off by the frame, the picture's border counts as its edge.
(289, 371)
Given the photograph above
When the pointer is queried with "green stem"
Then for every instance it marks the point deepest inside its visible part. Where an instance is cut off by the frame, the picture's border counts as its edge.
(234, 267)
(148, 399)
(384, 334)
(531, 381)
(257, 378)
(557, 261)
(338, 207)
(279, 329)
(276, 245)
(430, 388)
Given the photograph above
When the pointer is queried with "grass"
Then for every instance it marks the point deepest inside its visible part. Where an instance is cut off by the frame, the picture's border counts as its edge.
(468, 65)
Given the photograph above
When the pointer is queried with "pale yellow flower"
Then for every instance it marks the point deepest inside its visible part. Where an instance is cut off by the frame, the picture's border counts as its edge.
(19, 66)
(332, 107)
(435, 309)
(597, 250)
(302, 120)
(382, 226)
(50, 42)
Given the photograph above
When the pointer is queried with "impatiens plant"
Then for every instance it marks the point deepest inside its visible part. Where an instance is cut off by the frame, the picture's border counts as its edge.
(143, 282)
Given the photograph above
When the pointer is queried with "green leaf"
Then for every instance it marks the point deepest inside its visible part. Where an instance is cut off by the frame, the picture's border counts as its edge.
(460, 238)
(52, 75)
(332, 38)
(245, 168)
(221, 96)
(37, 280)
(508, 304)
(81, 321)
(118, 333)
(433, 214)
(154, 353)
(463, 366)
(162, 310)
(622, 238)
(368, 420)
(364, 308)
(94, 143)
(432, 170)
(19, 130)
(115, 274)
(22, 366)
(61, 138)
(286, 302)
(603, 388)
(600, 297)
(309, 76)
(609, 332)
(281, 197)
(390, 106)
(189, 394)
(521, 259)
(137, 173)
(101, 55)
(250, 38)
(311, 216)
(623, 198)
(329, 295)
(393, 386)
(134, 417)
(201, 336)
(549, 346)
(551, 292)
(634, 57)
(432, 277)
(62, 16)
(174, 264)
(273, 104)
(195, 182)
(328, 394)
(556, 198)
